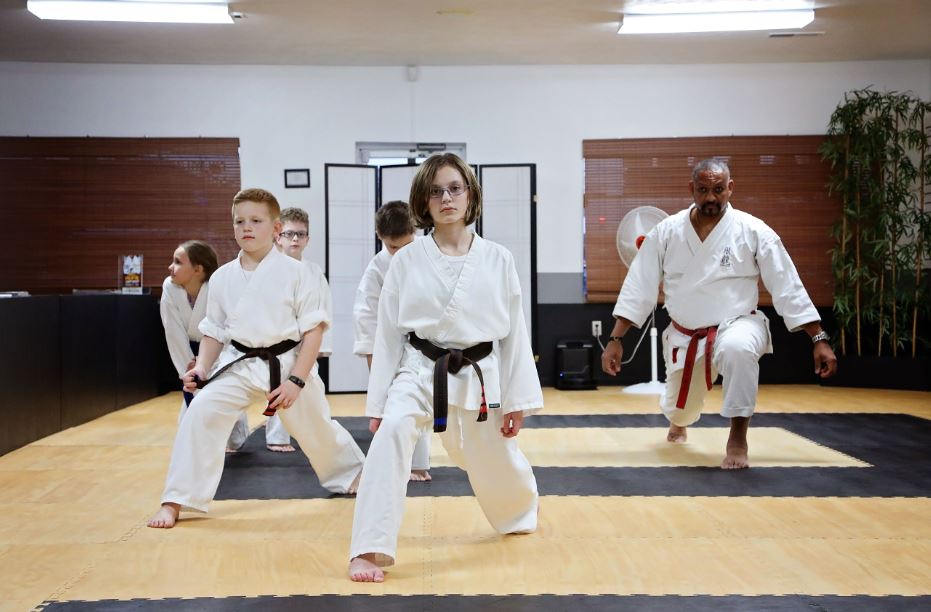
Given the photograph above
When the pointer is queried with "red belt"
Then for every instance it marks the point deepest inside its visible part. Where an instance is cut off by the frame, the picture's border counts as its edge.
(696, 334)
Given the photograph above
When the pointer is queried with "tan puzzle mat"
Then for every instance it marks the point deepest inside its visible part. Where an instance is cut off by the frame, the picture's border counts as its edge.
(647, 447)
(584, 545)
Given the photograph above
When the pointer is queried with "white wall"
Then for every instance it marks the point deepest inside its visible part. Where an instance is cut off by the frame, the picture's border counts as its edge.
(297, 117)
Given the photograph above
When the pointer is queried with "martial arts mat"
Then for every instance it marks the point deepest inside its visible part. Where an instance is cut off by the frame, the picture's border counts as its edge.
(832, 516)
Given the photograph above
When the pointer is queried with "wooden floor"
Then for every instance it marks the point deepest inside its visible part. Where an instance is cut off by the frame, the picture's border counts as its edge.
(74, 506)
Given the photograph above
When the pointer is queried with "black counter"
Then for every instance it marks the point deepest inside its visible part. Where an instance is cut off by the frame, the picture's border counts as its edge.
(65, 360)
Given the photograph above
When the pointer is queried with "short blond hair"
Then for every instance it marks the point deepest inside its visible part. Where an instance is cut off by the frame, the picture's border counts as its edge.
(259, 196)
(295, 215)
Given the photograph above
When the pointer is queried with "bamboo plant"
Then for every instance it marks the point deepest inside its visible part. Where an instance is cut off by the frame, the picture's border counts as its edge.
(877, 148)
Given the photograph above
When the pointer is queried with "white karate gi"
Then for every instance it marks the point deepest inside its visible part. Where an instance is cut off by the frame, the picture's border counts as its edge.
(423, 293)
(180, 322)
(275, 431)
(275, 302)
(365, 320)
(709, 283)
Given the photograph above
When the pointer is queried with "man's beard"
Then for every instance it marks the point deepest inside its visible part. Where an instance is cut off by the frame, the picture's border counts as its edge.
(710, 209)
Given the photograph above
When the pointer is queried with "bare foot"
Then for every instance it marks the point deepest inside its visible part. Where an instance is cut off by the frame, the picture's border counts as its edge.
(363, 569)
(353, 489)
(736, 458)
(166, 517)
(280, 448)
(677, 435)
(420, 476)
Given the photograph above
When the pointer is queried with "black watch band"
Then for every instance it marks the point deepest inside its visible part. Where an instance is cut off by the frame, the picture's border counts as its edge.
(617, 338)
(297, 381)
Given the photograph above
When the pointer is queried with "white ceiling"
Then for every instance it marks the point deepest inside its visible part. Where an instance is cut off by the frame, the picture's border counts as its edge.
(460, 32)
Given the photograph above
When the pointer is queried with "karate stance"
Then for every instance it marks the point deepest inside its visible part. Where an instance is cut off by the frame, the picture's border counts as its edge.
(709, 259)
(395, 229)
(264, 324)
(451, 352)
(182, 307)
(292, 240)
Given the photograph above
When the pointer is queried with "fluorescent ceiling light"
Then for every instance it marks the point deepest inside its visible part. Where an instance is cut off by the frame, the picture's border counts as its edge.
(137, 11)
(673, 23)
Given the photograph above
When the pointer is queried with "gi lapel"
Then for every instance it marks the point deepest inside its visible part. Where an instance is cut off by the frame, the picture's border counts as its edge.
(703, 253)
(459, 287)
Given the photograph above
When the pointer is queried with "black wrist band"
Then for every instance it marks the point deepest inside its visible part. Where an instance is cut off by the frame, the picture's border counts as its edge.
(297, 381)
(618, 338)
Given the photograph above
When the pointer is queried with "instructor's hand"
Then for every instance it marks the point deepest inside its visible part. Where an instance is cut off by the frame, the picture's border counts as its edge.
(374, 424)
(513, 421)
(283, 396)
(611, 358)
(825, 361)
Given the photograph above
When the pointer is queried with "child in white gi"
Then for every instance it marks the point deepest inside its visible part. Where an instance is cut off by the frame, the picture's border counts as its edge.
(262, 306)
(451, 351)
(183, 306)
(395, 229)
(292, 240)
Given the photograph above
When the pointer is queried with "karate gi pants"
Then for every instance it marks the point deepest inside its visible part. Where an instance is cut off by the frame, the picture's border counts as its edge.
(275, 431)
(198, 454)
(421, 459)
(737, 350)
(500, 475)
(240, 432)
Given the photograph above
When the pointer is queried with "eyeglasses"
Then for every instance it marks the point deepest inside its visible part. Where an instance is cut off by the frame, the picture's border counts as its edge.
(453, 190)
(289, 235)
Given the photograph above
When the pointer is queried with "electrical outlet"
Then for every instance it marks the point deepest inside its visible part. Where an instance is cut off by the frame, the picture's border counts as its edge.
(596, 329)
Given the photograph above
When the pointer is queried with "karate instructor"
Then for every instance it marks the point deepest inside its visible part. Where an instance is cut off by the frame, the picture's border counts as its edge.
(709, 259)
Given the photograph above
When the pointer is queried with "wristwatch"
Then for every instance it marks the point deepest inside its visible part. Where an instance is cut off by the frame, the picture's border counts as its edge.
(821, 335)
(297, 381)
(616, 338)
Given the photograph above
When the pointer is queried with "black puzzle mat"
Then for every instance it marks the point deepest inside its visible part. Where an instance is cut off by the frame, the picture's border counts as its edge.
(509, 603)
(896, 446)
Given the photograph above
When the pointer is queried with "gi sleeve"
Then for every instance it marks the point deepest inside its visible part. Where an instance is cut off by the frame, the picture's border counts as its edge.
(309, 303)
(176, 337)
(389, 346)
(640, 290)
(365, 311)
(782, 281)
(520, 383)
(214, 323)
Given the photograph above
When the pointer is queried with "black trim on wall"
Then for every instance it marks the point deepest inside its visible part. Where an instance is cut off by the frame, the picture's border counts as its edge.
(30, 370)
(790, 363)
(65, 360)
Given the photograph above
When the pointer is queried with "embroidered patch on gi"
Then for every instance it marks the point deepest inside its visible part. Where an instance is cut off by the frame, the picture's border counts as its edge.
(726, 257)
(494, 405)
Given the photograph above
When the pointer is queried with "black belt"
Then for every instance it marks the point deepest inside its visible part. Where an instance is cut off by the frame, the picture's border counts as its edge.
(265, 353)
(450, 361)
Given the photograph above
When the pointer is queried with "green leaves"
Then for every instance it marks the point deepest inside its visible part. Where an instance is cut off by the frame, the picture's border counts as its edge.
(877, 148)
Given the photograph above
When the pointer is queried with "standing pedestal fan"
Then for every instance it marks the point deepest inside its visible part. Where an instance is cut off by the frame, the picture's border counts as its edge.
(630, 234)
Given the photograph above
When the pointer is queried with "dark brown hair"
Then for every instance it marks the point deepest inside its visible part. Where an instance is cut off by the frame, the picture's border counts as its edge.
(393, 220)
(423, 181)
(199, 253)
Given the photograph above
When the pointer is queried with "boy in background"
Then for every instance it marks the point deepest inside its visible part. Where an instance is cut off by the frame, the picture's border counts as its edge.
(395, 229)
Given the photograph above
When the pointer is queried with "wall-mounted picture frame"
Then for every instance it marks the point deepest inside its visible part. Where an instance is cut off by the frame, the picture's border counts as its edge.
(297, 178)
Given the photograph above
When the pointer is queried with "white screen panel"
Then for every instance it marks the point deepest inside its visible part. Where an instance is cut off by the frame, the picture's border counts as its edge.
(396, 183)
(506, 219)
(350, 232)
